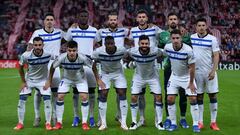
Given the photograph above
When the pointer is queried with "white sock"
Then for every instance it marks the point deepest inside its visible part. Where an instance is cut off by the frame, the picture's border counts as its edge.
(201, 110)
(213, 110)
(76, 105)
(84, 109)
(37, 101)
(48, 110)
(91, 104)
(142, 105)
(158, 110)
(21, 110)
(102, 111)
(172, 113)
(134, 110)
(59, 110)
(194, 113)
(124, 110)
(54, 101)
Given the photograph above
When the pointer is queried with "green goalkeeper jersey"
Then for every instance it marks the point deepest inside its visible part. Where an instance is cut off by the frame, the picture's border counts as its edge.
(164, 39)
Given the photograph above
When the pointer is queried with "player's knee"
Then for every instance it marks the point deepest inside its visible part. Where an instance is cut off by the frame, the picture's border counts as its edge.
(122, 97)
(192, 99)
(121, 92)
(213, 99)
(193, 102)
(60, 97)
(102, 98)
(84, 97)
(23, 97)
(134, 98)
(212, 95)
(200, 96)
(170, 100)
(46, 97)
(91, 90)
(158, 98)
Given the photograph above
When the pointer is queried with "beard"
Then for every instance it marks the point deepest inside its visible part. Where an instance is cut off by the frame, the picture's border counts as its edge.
(173, 25)
(111, 50)
(144, 50)
(113, 25)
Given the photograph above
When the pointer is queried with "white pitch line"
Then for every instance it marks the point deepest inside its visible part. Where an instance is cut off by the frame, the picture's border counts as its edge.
(9, 77)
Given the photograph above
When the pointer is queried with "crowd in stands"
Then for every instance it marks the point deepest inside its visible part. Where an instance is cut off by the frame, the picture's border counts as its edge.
(222, 15)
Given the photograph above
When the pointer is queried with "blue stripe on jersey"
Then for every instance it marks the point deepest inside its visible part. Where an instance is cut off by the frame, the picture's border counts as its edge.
(152, 35)
(38, 63)
(114, 36)
(40, 58)
(50, 34)
(68, 68)
(145, 61)
(47, 40)
(72, 63)
(144, 56)
(82, 31)
(109, 60)
(203, 45)
(200, 39)
(140, 31)
(103, 55)
(176, 58)
(113, 32)
(83, 36)
(176, 52)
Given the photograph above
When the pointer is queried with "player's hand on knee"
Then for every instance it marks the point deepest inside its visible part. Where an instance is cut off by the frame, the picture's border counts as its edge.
(192, 87)
(47, 85)
(211, 75)
(101, 84)
(23, 86)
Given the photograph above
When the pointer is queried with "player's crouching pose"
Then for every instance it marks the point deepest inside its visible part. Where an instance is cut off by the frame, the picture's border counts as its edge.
(72, 63)
(36, 77)
(145, 73)
(183, 70)
(111, 71)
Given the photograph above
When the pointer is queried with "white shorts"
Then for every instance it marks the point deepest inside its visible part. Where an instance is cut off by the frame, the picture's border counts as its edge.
(90, 77)
(37, 86)
(56, 76)
(176, 82)
(117, 78)
(138, 83)
(66, 84)
(205, 85)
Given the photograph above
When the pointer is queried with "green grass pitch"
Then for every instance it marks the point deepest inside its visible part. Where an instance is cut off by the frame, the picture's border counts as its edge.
(228, 112)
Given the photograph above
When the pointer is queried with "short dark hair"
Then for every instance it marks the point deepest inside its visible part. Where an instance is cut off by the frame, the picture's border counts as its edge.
(72, 44)
(108, 38)
(172, 13)
(48, 14)
(141, 11)
(201, 20)
(113, 13)
(175, 31)
(37, 39)
(143, 37)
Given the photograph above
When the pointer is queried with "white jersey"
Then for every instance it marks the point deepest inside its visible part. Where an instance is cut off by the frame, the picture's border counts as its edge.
(119, 35)
(203, 49)
(37, 66)
(72, 70)
(152, 33)
(109, 62)
(180, 60)
(52, 41)
(84, 38)
(145, 64)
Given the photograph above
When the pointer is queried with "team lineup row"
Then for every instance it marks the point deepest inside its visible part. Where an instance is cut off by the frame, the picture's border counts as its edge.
(187, 58)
